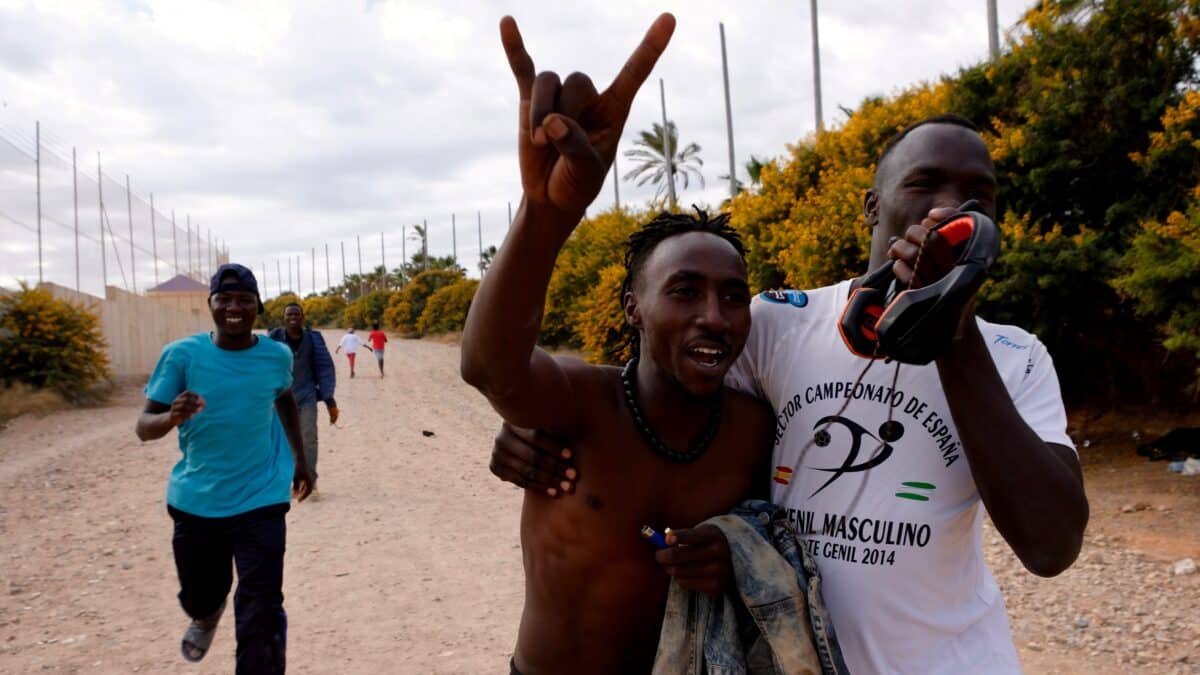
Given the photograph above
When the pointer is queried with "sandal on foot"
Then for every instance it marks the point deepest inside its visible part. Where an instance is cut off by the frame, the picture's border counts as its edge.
(199, 635)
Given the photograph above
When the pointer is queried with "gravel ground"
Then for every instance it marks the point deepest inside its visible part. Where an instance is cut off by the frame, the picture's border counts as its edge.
(410, 563)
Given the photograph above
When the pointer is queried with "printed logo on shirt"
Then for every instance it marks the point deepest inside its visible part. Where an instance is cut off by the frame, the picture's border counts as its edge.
(873, 423)
(1003, 341)
(788, 297)
(783, 475)
(909, 490)
(876, 445)
(892, 431)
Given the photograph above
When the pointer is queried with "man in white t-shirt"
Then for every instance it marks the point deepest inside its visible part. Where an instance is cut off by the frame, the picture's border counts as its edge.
(350, 342)
(885, 476)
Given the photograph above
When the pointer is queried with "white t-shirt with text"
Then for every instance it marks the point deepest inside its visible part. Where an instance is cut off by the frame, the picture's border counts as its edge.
(881, 491)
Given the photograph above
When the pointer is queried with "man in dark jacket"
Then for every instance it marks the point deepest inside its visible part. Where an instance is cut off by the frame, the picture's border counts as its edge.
(313, 377)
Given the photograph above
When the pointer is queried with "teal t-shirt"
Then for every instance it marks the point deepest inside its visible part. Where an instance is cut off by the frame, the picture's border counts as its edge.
(233, 461)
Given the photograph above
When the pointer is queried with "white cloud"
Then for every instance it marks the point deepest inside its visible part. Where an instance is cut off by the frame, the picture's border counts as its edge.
(287, 125)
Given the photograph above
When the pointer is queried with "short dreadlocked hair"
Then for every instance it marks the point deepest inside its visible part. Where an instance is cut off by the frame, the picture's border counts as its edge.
(945, 118)
(666, 225)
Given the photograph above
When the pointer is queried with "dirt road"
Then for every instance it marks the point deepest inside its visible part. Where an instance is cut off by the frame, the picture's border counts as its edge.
(409, 561)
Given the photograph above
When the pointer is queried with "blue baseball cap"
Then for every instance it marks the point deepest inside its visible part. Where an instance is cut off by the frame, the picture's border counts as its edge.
(234, 277)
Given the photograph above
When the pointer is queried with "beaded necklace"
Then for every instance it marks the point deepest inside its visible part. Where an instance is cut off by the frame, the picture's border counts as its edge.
(699, 444)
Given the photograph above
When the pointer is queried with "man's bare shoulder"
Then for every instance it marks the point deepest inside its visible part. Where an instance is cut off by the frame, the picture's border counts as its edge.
(748, 404)
(590, 383)
(590, 373)
(750, 415)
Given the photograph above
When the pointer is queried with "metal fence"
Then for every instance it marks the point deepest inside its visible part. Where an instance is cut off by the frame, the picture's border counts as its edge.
(64, 220)
(354, 263)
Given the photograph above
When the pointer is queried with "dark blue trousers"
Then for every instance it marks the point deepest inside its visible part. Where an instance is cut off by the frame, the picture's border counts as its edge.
(206, 552)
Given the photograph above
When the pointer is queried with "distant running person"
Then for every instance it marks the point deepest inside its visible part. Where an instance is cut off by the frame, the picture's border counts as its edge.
(229, 492)
(378, 339)
(350, 342)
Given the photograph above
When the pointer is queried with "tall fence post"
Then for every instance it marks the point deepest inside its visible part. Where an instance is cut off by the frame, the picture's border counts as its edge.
(191, 271)
(75, 197)
(129, 213)
(154, 239)
(103, 253)
(174, 241)
(728, 116)
(361, 287)
(328, 279)
(37, 161)
(668, 151)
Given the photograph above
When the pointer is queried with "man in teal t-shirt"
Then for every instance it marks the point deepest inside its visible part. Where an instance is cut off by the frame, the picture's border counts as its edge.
(231, 488)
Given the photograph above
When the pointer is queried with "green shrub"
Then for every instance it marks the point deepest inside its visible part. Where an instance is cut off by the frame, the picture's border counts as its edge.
(446, 310)
(47, 342)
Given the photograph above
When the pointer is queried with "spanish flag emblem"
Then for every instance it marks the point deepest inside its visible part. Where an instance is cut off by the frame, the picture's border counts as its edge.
(783, 475)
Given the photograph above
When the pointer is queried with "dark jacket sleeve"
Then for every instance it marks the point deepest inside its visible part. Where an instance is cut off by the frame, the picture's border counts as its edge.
(276, 334)
(323, 364)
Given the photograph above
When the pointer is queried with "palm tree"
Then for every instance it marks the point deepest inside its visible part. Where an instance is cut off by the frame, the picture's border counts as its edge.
(651, 159)
(486, 258)
(754, 169)
(421, 236)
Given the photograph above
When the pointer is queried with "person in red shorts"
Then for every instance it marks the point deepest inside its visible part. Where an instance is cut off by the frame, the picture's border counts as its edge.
(377, 338)
(350, 342)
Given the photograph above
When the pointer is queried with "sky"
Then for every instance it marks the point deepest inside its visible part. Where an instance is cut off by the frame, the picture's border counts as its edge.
(284, 126)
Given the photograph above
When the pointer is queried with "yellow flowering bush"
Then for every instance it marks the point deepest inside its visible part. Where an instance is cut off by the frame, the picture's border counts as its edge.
(1162, 275)
(446, 310)
(403, 308)
(323, 310)
(47, 342)
(804, 227)
(597, 243)
(367, 310)
(600, 324)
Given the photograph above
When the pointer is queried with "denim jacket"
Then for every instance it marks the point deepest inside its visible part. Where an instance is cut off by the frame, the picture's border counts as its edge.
(777, 622)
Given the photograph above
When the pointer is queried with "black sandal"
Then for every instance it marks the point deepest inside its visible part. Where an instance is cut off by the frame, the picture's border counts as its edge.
(199, 635)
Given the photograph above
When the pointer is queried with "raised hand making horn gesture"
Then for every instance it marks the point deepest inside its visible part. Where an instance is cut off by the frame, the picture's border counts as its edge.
(568, 133)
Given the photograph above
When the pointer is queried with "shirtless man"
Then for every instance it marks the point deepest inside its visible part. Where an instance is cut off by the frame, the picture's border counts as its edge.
(662, 442)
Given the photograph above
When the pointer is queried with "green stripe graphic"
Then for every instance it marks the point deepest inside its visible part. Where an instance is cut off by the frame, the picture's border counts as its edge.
(915, 498)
